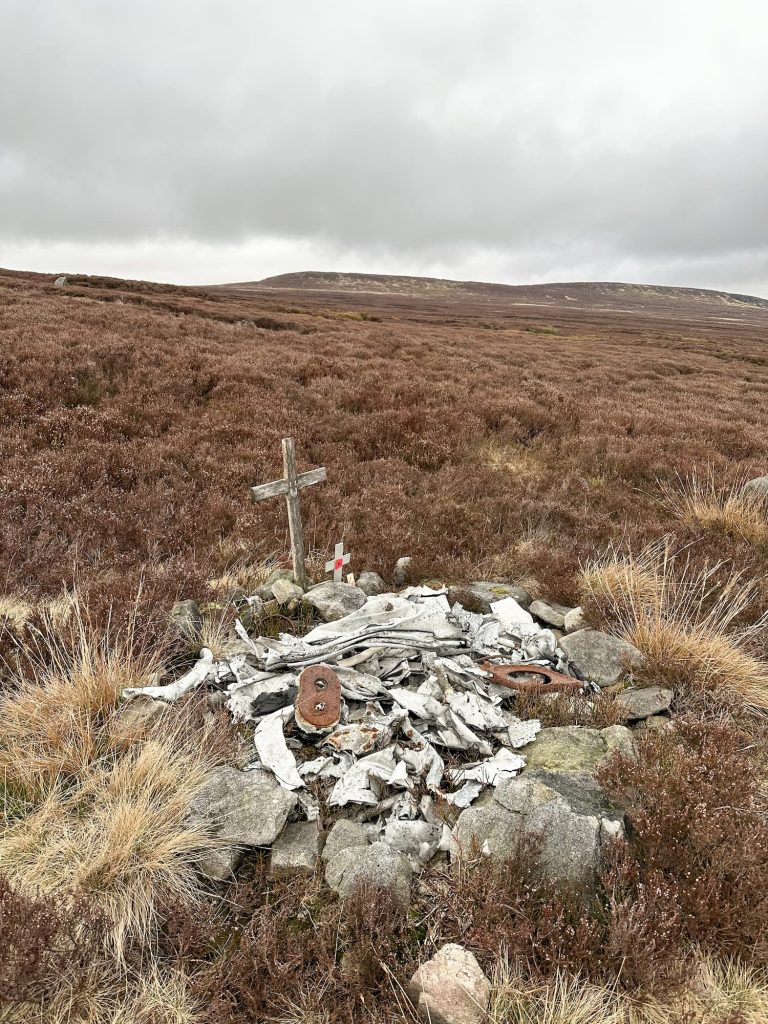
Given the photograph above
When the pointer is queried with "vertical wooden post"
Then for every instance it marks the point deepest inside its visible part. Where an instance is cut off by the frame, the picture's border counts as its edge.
(294, 513)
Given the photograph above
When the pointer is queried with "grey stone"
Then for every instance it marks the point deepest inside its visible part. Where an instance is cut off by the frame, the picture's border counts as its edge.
(550, 613)
(402, 571)
(574, 619)
(642, 702)
(376, 866)
(599, 657)
(656, 723)
(296, 849)
(333, 601)
(60, 282)
(450, 988)
(757, 487)
(220, 865)
(265, 590)
(187, 619)
(370, 583)
(246, 808)
(486, 593)
(567, 812)
(575, 748)
(344, 835)
(285, 591)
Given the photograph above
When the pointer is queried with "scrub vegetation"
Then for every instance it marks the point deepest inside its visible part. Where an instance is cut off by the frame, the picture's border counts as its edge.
(593, 454)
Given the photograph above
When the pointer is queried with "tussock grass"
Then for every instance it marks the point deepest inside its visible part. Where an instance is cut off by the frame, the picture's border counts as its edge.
(717, 991)
(702, 503)
(106, 800)
(52, 723)
(685, 620)
(106, 996)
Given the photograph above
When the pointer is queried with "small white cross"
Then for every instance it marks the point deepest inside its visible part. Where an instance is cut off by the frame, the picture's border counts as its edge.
(337, 563)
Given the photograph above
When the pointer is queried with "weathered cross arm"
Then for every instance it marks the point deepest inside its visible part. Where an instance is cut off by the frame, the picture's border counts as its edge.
(278, 487)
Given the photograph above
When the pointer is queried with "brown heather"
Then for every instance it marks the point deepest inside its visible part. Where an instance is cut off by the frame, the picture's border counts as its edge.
(554, 446)
(134, 417)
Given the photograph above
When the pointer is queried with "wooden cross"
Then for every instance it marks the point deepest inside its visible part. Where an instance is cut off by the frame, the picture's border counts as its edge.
(337, 563)
(290, 486)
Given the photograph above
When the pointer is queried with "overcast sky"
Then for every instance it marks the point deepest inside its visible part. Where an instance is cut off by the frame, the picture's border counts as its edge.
(204, 141)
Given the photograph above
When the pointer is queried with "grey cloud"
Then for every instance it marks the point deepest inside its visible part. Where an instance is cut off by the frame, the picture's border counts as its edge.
(537, 141)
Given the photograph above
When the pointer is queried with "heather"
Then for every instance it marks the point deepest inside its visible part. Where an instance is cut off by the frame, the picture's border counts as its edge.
(131, 431)
(595, 456)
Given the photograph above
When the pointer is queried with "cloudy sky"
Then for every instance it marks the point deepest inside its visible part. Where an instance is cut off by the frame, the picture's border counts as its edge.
(205, 141)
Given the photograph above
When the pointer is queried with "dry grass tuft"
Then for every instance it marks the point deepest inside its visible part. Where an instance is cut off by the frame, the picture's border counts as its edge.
(52, 723)
(105, 996)
(119, 834)
(701, 503)
(564, 999)
(684, 619)
(96, 804)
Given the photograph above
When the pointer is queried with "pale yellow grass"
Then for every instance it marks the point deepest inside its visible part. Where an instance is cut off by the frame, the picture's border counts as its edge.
(683, 619)
(98, 806)
(52, 727)
(107, 997)
(717, 991)
(701, 502)
(120, 835)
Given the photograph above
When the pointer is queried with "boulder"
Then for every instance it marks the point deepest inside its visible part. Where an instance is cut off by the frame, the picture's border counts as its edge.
(375, 866)
(265, 590)
(575, 748)
(757, 487)
(574, 619)
(450, 988)
(332, 601)
(370, 583)
(60, 282)
(567, 812)
(220, 865)
(402, 571)
(550, 613)
(598, 657)
(245, 808)
(643, 702)
(344, 835)
(187, 619)
(284, 591)
(486, 593)
(296, 849)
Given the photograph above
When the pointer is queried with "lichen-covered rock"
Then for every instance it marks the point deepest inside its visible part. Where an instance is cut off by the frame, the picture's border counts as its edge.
(344, 835)
(370, 583)
(575, 748)
(567, 812)
(284, 591)
(758, 487)
(450, 988)
(245, 808)
(574, 619)
(549, 612)
(642, 702)
(402, 571)
(187, 619)
(375, 866)
(598, 657)
(220, 865)
(296, 849)
(332, 601)
(487, 593)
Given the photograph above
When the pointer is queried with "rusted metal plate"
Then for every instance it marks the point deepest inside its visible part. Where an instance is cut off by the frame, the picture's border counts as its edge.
(318, 702)
(517, 676)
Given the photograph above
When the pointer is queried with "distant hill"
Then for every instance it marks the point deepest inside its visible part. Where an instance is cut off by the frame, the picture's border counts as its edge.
(610, 294)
